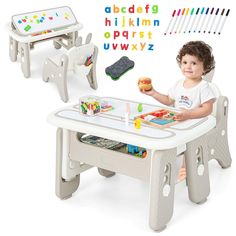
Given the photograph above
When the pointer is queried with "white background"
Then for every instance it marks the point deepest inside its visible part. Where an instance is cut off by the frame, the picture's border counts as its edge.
(119, 205)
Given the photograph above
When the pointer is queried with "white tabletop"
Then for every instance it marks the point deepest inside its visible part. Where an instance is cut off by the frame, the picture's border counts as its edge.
(112, 125)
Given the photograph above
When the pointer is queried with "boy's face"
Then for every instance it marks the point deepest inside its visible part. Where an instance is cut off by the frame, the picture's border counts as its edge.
(191, 67)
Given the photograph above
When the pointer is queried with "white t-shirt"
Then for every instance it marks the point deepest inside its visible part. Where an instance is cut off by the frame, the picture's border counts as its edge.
(189, 98)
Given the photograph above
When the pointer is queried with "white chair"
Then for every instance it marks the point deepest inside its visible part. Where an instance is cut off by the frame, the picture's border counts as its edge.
(80, 59)
(213, 145)
(217, 139)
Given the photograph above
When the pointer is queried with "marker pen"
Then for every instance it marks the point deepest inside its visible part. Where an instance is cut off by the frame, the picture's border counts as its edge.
(204, 19)
(199, 19)
(180, 19)
(176, 18)
(218, 23)
(223, 23)
(189, 19)
(213, 21)
(208, 21)
(194, 19)
(184, 20)
(171, 19)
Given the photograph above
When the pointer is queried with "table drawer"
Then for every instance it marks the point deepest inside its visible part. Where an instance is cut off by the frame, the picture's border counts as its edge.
(109, 159)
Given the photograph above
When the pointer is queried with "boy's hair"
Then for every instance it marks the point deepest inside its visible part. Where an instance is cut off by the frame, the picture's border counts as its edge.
(200, 50)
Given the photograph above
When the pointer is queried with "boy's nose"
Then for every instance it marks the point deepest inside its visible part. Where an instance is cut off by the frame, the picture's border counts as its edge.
(188, 65)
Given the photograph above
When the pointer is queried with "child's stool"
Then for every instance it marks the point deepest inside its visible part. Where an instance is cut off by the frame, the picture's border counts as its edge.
(80, 59)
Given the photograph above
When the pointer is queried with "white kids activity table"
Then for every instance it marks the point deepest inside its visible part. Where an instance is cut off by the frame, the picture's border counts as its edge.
(25, 30)
(158, 167)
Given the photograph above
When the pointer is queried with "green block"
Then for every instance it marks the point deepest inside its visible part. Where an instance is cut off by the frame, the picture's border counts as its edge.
(27, 28)
(140, 107)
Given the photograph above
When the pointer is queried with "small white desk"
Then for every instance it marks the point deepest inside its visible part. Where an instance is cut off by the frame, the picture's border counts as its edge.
(25, 30)
(159, 167)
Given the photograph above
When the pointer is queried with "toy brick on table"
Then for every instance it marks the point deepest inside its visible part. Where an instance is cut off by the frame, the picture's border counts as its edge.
(160, 118)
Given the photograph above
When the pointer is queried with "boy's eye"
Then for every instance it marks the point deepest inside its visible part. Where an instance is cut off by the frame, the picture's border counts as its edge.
(184, 62)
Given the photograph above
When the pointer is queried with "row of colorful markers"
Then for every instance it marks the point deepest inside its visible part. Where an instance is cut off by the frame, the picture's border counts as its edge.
(200, 20)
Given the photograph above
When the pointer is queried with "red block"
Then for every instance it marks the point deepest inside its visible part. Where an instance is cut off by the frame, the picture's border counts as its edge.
(157, 113)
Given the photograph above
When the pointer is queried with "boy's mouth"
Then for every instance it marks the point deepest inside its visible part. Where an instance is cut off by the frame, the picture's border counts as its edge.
(188, 71)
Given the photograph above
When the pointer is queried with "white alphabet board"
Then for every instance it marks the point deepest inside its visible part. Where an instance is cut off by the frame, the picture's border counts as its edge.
(43, 21)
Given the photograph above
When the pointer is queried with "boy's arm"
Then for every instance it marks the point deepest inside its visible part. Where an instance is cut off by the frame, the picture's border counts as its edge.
(204, 110)
(162, 98)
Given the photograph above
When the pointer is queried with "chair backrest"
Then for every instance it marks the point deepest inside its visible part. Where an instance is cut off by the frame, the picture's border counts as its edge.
(217, 93)
(208, 77)
(79, 55)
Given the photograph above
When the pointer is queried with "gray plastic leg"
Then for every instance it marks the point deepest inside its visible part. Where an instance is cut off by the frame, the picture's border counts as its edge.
(64, 189)
(196, 159)
(13, 49)
(162, 186)
(105, 173)
(218, 137)
(71, 39)
(25, 58)
(61, 81)
(56, 44)
(58, 73)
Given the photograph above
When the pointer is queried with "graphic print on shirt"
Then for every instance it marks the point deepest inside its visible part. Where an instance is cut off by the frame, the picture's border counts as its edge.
(185, 101)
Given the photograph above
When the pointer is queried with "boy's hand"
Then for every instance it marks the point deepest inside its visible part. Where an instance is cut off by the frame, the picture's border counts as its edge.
(183, 115)
(149, 92)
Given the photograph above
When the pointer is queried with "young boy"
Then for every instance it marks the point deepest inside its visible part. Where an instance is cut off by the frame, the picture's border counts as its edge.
(192, 94)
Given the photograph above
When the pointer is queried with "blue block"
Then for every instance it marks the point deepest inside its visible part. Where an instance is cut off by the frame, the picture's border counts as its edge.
(161, 121)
